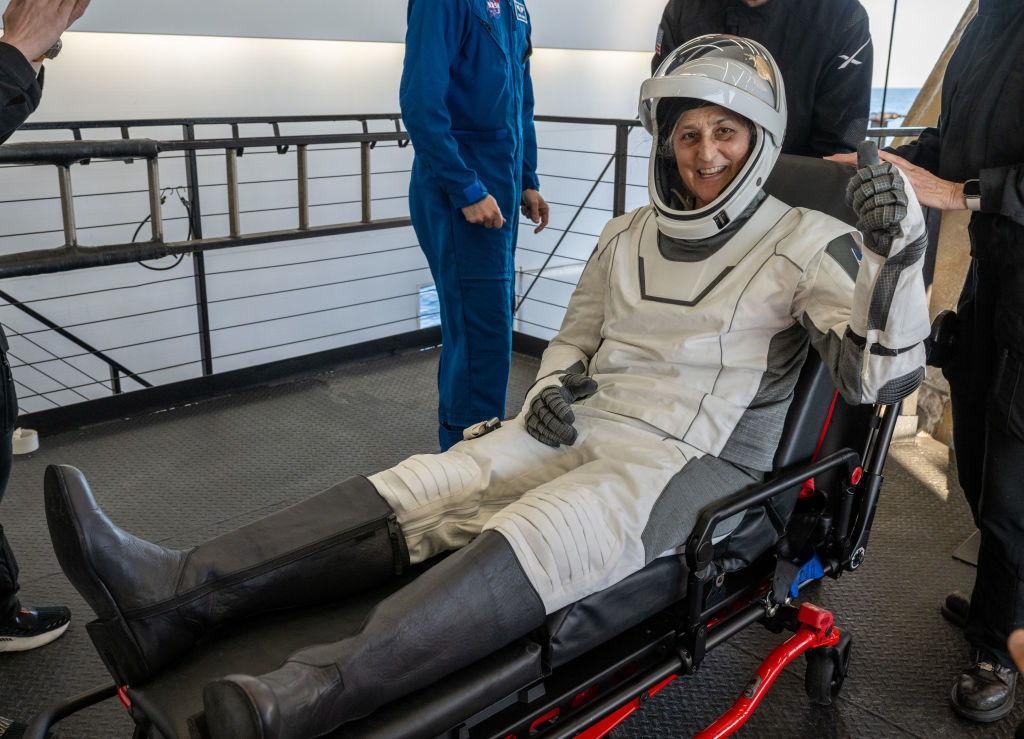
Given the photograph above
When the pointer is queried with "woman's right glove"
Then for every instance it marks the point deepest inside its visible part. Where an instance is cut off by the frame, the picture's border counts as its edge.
(878, 197)
(550, 417)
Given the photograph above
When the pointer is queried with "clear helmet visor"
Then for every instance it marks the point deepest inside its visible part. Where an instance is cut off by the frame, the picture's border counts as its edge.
(669, 188)
(733, 73)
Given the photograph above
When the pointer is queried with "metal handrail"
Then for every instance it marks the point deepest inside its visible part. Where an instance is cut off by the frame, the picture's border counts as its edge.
(70, 152)
(244, 120)
(73, 256)
(190, 123)
(884, 133)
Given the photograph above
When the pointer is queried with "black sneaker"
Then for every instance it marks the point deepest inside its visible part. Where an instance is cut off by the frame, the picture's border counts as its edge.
(11, 729)
(984, 692)
(33, 627)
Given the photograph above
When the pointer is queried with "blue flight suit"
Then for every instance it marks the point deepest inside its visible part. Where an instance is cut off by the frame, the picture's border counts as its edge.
(467, 102)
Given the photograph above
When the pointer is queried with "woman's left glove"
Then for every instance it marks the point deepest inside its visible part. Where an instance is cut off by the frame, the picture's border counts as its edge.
(550, 417)
(878, 196)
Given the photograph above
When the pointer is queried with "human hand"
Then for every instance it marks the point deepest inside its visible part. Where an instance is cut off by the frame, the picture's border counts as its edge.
(931, 191)
(550, 417)
(535, 208)
(485, 212)
(877, 195)
(77, 11)
(33, 26)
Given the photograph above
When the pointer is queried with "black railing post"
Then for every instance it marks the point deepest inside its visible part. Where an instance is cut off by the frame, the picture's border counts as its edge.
(115, 380)
(195, 214)
(621, 163)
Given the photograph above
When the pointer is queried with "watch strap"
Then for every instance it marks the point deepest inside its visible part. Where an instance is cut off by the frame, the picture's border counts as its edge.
(52, 52)
(972, 194)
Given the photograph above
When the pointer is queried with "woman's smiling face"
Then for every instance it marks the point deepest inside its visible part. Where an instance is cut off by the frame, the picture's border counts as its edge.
(711, 145)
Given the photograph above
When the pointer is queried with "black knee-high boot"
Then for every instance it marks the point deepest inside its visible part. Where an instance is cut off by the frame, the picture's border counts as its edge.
(462, 609)
(152, 603)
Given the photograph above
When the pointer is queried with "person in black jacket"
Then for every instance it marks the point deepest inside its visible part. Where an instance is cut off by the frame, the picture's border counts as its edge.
(822, 48)
(974, 159)
(32, 30)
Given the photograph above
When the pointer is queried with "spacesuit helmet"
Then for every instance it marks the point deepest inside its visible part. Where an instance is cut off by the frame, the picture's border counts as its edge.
(732, 72)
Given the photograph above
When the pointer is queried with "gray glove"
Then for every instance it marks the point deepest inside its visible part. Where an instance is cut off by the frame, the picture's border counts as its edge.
(550, 417)
(876, 194)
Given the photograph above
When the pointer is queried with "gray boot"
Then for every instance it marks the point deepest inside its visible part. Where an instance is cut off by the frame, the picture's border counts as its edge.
(152, 603)
(459, 611)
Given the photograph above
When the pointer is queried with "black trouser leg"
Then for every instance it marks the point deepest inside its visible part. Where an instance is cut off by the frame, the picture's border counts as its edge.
(987, 392)
(462, 609)
(997, 603)
(970, 373)
(8, 579)
(8, 416)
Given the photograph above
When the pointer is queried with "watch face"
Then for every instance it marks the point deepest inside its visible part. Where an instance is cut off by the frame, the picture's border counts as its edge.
(972, 189)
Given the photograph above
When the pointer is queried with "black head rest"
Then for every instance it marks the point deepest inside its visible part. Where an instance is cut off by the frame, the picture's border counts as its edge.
(810, 182)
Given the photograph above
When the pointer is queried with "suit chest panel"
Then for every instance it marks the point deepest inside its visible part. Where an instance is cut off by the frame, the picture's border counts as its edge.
(748, 304)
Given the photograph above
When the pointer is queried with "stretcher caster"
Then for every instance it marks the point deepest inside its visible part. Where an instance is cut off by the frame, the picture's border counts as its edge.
(826, 670)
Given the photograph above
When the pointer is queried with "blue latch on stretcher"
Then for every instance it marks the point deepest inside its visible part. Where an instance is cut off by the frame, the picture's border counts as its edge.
(811, 570)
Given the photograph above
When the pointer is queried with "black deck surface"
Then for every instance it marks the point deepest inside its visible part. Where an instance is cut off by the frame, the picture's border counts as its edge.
(188, 473)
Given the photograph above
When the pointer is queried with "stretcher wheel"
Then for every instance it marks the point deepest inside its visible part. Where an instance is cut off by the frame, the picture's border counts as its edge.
(826, 670)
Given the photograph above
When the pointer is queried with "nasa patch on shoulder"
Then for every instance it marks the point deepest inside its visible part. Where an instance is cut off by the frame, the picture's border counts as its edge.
(494, 8)
(520, 11)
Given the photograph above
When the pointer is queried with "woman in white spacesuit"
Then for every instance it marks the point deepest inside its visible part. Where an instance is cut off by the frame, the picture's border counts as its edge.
(665, 389)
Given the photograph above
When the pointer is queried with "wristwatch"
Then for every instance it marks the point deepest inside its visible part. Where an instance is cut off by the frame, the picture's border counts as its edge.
(52, 52)
(972, 194)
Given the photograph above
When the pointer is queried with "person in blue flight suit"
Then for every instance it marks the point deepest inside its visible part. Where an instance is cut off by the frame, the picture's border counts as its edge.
(467, 102)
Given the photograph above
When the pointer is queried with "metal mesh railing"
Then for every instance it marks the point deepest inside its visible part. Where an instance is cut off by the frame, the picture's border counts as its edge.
(269, 247)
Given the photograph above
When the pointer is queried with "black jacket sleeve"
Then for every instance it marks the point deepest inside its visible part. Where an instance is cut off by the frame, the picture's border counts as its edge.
(839, 118)
(924, 151)
(1002, 191)
(667, 35)
(20, 90)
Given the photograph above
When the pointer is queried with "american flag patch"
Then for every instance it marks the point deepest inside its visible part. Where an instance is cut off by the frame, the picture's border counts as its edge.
(661, 37)
(494, 8)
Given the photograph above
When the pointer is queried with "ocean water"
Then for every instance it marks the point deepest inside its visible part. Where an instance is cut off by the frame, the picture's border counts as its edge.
(897, 100)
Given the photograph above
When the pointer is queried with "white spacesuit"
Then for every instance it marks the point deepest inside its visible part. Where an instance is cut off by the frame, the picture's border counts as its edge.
(694, 325)
(665, 389)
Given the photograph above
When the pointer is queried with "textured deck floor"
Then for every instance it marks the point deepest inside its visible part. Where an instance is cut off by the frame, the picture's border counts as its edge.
(185, 474)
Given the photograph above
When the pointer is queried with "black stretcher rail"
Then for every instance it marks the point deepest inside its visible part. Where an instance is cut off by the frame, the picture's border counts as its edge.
(62, 709)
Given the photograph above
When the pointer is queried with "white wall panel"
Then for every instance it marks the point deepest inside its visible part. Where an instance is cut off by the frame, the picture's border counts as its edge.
(573, 24)
(355, 20)
(175, 76)
(114, 76)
